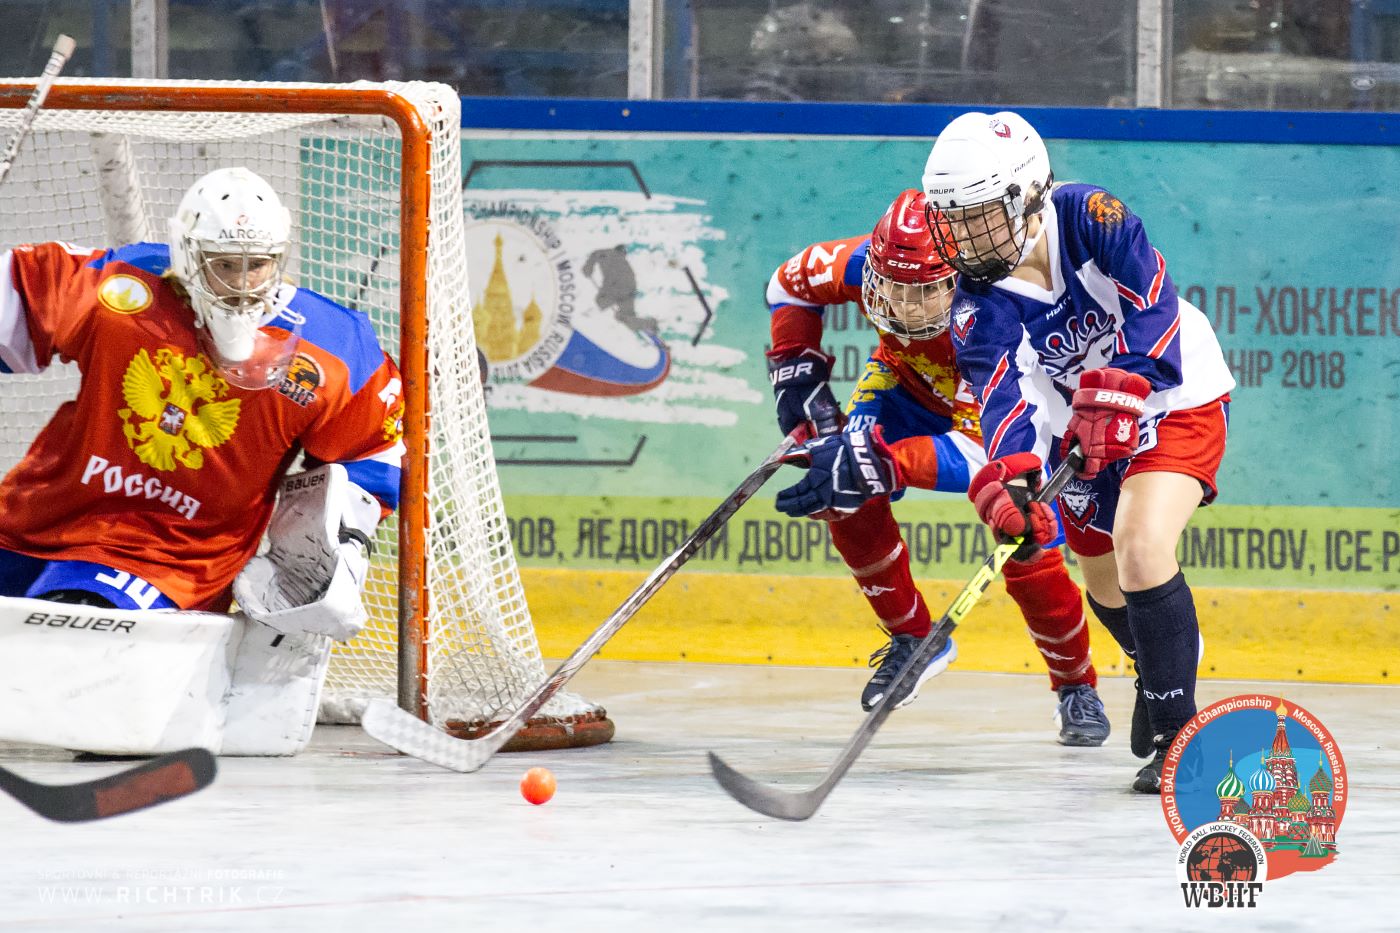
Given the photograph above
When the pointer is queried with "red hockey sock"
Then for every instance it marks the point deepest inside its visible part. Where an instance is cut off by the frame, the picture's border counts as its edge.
(1054, 613)
(871, 545)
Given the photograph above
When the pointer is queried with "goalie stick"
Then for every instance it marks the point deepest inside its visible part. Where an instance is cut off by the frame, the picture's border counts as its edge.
(799, 805)
(62, 50)
(407, 733)
(153, 782)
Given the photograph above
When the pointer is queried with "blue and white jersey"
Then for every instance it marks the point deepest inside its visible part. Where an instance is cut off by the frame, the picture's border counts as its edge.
(1110, 303)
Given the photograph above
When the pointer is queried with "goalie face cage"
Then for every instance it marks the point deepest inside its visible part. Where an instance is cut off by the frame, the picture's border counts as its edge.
(371, 173)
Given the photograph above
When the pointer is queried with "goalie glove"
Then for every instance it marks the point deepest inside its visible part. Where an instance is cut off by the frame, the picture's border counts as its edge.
(320, 541)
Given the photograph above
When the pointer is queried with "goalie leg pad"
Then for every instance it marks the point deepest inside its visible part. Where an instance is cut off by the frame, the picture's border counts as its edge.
(275, 687)
(112, 681)
(123, 682)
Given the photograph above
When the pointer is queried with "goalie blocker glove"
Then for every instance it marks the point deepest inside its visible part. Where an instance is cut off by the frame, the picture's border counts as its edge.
(311, 577)
(802, 390)
(844, 472)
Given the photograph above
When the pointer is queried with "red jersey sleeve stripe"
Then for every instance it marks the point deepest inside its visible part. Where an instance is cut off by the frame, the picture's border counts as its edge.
(997, 375)
(1155, 290)
(1161, 345)
(1006, 423)
(1131, 295)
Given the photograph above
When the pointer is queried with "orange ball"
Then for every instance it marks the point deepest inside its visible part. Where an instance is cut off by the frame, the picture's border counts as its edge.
(537, 786)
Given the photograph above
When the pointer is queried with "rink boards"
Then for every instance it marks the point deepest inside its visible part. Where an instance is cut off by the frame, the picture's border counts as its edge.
(612, 214)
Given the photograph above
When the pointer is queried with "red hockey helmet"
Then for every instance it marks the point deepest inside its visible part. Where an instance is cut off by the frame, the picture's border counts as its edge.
(907, 285)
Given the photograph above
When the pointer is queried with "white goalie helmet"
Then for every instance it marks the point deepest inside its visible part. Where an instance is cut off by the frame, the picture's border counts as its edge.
(987, 175)
(229, 240)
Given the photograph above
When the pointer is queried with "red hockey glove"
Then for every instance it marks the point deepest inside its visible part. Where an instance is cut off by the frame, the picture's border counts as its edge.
(1003, 492)
(1107, 407)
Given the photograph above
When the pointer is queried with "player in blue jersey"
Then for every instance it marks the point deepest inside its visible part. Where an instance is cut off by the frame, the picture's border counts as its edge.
(1069, 330)
(913, 409)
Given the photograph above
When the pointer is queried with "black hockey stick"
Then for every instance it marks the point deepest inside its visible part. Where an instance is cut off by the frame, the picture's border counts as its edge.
(799, 805)
(407, 733)
(154, 782)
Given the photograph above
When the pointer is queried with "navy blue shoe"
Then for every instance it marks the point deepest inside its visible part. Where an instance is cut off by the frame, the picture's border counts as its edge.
(1081, 717)
(891, 659)
(1149, 777)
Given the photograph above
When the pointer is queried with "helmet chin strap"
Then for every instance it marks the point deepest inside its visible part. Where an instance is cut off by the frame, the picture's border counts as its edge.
(1031, 241)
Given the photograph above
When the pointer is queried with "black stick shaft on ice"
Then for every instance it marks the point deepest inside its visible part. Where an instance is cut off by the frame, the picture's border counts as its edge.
(168, 777)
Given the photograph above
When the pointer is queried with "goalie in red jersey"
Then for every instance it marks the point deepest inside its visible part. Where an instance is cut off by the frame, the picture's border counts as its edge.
(912, 418)
(203, 375)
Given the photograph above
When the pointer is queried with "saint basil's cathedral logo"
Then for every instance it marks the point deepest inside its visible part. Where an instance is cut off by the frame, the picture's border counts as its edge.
(552, 320)
(1253, 789)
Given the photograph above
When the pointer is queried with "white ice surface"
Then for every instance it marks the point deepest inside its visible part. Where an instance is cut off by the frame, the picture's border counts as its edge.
(964, 815)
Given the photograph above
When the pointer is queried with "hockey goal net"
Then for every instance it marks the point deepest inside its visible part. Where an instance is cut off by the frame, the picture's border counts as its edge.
(372, 175)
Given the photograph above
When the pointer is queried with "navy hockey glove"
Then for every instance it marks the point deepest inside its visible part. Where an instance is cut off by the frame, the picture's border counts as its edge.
(844, 472)
(801, 387)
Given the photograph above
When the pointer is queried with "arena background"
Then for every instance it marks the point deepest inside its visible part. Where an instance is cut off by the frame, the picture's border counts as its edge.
(647, 164)
(1258, 217)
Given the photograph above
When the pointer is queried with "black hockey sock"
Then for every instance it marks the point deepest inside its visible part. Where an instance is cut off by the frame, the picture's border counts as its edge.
(1164, 628)
(1116, 621)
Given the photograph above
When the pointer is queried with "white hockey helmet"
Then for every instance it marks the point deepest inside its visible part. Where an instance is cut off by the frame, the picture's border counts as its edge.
(229, 240)
(987, 174)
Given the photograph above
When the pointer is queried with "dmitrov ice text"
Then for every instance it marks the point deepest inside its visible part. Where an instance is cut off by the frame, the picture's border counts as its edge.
(1348, 553)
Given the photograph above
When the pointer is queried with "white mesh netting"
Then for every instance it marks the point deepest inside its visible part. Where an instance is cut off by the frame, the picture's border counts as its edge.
(102, 178)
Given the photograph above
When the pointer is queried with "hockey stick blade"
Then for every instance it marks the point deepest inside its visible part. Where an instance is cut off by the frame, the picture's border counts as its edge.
(410, 735)
(157, 781)
(800, 805)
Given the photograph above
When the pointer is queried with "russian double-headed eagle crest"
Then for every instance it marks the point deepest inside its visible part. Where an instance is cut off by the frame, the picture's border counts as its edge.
(175, 409)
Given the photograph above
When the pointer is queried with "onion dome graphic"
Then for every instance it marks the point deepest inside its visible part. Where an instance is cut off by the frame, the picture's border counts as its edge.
(1298, 803)
(1262, 781)
(1230, 787)
(1320, 783)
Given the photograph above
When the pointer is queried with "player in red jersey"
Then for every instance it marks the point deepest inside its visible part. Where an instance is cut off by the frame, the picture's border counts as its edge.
(912, 418)
(204, 374)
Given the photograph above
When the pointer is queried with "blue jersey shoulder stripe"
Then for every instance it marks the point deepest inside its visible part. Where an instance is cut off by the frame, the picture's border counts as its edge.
(148, 257)
(342, 332)
(378, 479)
(855, 266)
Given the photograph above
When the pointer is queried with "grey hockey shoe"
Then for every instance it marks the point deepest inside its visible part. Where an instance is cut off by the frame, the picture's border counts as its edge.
(891, 659)
(1081, 717)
